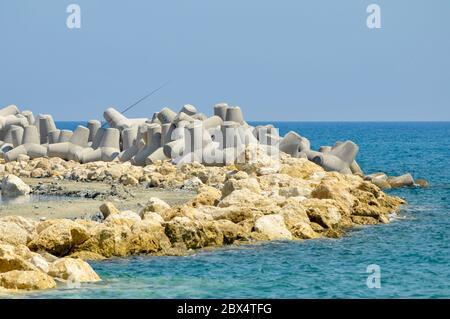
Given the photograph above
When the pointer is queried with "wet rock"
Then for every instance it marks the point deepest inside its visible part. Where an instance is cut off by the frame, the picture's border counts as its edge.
(193, 234)
(421, 183)
(323, 211)
(73, 269)
(401, 181)
(13, 186)
(26, 280)
(231, 231)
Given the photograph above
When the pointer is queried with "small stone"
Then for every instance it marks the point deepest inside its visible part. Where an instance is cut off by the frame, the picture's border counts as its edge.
(422, 183)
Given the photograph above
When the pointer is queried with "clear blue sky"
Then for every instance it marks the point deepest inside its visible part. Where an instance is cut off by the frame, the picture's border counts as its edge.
(278, 60)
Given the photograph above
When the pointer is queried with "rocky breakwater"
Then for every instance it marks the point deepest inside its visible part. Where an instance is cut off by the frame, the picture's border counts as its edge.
(179, 137)
(254, 199)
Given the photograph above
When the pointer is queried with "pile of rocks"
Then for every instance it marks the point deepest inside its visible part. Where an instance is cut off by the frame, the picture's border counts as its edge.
(22, 268)
(235, 204)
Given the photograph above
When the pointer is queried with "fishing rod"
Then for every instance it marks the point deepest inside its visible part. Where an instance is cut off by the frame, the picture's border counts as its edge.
(141, 99)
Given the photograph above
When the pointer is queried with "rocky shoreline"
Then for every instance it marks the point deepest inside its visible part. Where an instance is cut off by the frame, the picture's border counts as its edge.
(256, 200)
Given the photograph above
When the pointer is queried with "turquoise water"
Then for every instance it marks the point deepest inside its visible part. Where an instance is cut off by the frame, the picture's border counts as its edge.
(413, 252)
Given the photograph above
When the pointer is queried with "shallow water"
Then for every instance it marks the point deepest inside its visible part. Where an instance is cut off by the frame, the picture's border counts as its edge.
(413, 252)
(28, 199)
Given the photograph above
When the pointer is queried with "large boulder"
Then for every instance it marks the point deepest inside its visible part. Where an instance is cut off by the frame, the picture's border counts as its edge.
(58, 236)
(273, 227)
(194, 234)
(14, 259)
(126, 217)
(73, 269)
(14, 233)
(13, 186)
(26, 280)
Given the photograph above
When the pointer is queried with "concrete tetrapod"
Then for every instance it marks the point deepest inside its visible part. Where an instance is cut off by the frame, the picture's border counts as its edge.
(30, 146)
(107, 149)
(339, 158)
(70, 150)
(116, 119)
(153, 142)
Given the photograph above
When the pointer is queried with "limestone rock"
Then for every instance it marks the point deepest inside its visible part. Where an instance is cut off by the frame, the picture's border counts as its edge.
(242, 197)
(154, 205)
(127, 217)
(273, 227)
(323, 211)
(206, 196)
(299, 168)
(59, 237)
(26, 280)
(236, 184)
(193, 234)
(13, 186)
(108, 208)
(73, 269)
(13, 233)
(11, 259)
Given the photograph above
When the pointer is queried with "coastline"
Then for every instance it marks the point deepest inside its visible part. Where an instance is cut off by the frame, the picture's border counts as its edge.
(235, 204)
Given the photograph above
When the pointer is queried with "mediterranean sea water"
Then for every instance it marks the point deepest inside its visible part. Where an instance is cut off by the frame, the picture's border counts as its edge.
(413, 252)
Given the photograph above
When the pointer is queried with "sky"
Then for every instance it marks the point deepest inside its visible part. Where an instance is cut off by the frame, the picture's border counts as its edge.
(288, 60)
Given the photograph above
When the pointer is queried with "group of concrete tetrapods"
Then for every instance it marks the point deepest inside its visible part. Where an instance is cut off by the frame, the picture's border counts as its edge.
(181, 137)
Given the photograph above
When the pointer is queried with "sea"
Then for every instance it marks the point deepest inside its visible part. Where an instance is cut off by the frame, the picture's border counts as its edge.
(408, 258)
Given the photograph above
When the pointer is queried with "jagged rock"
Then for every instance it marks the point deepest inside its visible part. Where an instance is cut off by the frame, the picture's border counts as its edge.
(193, 234)
(323, 212)
(207, 196)
(299, 168)
(154, 205)
(73, 269)
(242, 197)
(127, 217)
(273, 227)
(26, 280)
(12, 259)
(254, 160)
(108, 209)
(13, 233)
(13, 186)
(231, 231)
(236, 184)
(58, 236)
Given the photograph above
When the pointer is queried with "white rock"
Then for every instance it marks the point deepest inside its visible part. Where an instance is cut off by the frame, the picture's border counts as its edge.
(13, 186)
(273, 227)
(40, 263)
